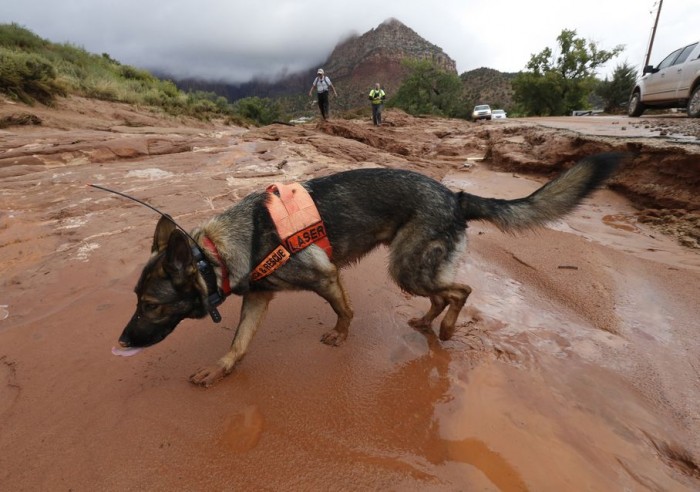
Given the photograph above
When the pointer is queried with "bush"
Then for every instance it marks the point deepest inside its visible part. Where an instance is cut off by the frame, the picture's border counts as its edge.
(131, 73)
(28, 77)
(15, 36)
(262, 111)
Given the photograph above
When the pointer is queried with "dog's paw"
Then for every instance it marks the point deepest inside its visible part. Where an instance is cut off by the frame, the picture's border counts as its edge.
(208, 376)
(334, 338)
(420, 324)
(446, 332)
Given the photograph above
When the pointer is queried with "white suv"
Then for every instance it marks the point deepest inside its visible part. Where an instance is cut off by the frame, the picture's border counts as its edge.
(481, 112)
(674, 83)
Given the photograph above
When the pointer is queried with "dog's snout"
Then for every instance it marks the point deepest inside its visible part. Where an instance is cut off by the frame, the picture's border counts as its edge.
(124, 340)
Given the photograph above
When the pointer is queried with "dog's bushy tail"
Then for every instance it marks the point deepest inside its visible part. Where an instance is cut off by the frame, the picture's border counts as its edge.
(552, 201)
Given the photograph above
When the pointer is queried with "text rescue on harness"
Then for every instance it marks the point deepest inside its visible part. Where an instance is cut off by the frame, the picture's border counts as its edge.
(298, 224)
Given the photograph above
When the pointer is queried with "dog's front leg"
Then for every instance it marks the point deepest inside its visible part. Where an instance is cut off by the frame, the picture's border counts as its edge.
(252, 313)
(332, 290)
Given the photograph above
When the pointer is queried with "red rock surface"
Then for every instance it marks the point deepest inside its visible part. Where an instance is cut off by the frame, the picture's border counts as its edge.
(575, 366)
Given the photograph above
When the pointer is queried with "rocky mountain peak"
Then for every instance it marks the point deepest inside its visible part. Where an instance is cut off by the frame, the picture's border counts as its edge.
(377, 55)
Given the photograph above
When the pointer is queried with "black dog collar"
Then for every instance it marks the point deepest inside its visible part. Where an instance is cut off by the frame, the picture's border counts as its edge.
(214, 297)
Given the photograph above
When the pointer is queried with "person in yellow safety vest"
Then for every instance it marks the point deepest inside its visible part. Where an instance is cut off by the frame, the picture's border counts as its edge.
(377, 96)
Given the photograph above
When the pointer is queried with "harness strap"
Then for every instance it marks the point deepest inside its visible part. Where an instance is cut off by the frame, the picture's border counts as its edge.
(296, 217)
(272, 262)
(298, 224)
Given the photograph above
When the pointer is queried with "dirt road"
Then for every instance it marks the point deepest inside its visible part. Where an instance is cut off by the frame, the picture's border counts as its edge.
(575, 367)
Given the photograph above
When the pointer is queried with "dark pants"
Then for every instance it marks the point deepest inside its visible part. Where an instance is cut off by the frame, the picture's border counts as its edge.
(377, 114)
(323, 104)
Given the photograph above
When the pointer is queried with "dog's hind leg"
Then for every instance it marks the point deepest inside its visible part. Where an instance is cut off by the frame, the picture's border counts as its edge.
(456, 296)
(252, 313)
(425, 267)
(437, 306)
(332, 290)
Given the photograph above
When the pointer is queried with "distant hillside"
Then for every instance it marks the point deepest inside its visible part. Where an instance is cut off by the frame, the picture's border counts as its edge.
(489, 86)
(34, 69)
(354, 66)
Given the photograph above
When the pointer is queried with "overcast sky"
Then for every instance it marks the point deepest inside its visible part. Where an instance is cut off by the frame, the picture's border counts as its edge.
(234, 40)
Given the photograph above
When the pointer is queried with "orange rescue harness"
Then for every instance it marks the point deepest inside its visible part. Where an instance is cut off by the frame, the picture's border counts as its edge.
(298, 224)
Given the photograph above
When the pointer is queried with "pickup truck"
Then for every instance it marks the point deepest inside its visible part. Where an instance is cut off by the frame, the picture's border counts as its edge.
(673, 83)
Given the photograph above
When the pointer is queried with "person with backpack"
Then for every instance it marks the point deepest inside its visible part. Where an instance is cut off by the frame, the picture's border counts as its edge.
(377, 96)
(322, 84)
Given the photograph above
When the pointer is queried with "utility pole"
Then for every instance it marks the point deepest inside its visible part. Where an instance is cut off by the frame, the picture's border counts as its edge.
(653, 33)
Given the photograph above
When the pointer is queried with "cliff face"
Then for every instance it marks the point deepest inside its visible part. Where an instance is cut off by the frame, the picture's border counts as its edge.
(377, 56)
(390, 41)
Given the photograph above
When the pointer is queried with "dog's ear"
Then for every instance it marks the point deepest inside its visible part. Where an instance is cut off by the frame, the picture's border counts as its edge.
(164, 228)
(179, 262)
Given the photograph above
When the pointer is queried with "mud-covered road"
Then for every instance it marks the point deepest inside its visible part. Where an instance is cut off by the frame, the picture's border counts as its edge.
(576, 365)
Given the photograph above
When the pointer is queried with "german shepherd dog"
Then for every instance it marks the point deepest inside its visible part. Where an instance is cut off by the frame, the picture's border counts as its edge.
(421, 221)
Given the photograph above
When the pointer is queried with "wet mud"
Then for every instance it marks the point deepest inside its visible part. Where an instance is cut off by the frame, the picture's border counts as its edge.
(574, 367)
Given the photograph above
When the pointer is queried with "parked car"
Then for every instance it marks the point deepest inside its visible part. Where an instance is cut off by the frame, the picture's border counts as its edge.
(481, 112)
(498, 114)
(673, 83)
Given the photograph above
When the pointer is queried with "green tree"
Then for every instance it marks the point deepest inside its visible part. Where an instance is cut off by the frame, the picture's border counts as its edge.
(428, 90)
(616, 92)
(556, 84)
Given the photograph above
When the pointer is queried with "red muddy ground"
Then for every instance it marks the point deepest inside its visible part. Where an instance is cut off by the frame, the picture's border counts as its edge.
(576, 365)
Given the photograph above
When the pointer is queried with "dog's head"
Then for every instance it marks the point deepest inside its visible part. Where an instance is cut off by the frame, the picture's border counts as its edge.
(170, 289)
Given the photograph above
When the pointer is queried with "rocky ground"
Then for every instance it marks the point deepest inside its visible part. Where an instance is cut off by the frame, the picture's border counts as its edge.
(575, 365)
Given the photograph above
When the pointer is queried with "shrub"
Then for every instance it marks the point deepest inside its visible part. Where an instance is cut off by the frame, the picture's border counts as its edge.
(132, 73)
(17, 37)
(28, 77)
(262, 111)
(101, 88)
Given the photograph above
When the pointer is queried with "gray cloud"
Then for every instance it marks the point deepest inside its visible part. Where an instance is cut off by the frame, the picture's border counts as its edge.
(235, 41)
